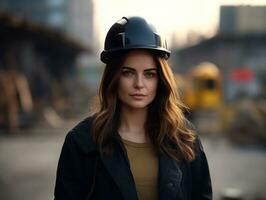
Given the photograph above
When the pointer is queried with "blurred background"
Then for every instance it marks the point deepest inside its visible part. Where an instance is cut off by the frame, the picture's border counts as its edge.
(50, 71)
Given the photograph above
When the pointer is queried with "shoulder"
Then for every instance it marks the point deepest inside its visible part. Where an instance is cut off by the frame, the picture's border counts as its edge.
(200, 160)
(202, 187)
(81, 137)
(197, 145)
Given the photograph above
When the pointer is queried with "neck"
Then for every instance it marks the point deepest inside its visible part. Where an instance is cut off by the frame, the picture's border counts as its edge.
(132, 124)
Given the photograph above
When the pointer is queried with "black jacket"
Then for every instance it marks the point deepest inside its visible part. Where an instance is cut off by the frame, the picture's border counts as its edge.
(80, 166)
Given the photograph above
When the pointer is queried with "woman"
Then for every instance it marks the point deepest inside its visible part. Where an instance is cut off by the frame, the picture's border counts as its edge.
(138, 145)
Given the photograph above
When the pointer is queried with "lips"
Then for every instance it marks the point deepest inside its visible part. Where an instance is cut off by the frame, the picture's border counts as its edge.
(138, 96)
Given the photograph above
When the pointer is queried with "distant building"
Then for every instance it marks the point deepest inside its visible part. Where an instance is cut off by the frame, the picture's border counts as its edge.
(37, 70)
(242, 20)
(239, 45)
(74, 18)
(81, 22)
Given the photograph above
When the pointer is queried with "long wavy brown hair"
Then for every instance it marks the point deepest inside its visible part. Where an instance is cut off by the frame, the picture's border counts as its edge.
(167, 129)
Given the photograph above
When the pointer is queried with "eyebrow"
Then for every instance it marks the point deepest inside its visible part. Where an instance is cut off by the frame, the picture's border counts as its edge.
(132, 69)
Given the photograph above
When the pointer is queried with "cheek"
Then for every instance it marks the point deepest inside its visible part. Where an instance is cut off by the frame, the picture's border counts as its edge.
(123, 85)
(153, 86)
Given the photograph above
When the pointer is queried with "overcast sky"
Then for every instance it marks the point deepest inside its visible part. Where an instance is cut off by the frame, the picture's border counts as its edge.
(170, 17)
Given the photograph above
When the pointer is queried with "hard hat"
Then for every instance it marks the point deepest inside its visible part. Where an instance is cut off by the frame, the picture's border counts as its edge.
(133, 33)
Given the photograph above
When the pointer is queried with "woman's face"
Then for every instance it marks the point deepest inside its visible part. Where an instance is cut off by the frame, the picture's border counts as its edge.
(138, 80)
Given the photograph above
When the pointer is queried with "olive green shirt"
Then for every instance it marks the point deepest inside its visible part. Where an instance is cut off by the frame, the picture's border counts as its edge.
(144, 167)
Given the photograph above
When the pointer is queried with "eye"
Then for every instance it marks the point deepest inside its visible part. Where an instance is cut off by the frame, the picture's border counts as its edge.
(151, 74)
(127, 73)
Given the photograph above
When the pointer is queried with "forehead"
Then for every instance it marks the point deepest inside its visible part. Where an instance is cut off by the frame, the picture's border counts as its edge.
(139, 59)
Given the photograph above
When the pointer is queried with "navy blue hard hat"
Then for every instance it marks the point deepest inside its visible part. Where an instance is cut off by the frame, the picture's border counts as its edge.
(133, 33)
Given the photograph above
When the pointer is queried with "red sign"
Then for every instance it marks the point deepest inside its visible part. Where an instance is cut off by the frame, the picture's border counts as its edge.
(242, 75)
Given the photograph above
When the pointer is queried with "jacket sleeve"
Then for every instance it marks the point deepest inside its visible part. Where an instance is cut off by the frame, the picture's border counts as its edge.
(70, 175)
(201, 181)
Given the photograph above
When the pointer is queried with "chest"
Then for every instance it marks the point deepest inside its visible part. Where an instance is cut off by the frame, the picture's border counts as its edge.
(115, 179)
(143, 162)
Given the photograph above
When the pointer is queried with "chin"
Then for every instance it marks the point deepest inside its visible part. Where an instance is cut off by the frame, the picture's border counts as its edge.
(138, 105)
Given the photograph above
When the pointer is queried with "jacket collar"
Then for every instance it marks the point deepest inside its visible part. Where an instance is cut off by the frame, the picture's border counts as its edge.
(170, 174)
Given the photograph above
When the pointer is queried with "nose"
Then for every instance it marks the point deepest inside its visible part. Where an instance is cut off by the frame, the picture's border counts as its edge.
(138, 83)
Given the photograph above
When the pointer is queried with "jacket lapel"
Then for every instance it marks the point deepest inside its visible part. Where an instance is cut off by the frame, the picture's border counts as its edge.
(170, 176)
(118, 167)
(116, 164)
